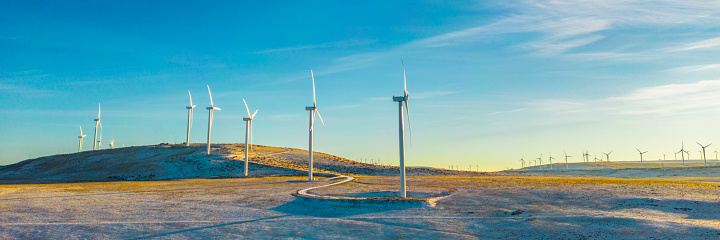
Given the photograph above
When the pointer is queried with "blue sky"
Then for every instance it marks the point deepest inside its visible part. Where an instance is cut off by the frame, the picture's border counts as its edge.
(488, 82)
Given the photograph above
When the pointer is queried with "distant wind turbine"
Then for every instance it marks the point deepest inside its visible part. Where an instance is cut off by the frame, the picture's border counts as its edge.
(607, 158)
(210, 109)
(641, 158)
(190, 119)
(716, 155)
(539, 159)
(112, 143)
(566, 161)
(97, 122)
(595, 156)
(682, 152)
(522, 160)
(81, 140)
(248, 134)
(313, 110)
(586, 156)
(550, 159)
(401, 138)
(703, 151)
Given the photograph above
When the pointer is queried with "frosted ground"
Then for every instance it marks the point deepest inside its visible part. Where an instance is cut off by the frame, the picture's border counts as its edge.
(176, 192)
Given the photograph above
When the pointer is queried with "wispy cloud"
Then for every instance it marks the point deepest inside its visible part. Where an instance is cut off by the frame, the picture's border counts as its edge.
(509, 111)
(695, 68)
(707, 43)
(339, 44)
(668, 99)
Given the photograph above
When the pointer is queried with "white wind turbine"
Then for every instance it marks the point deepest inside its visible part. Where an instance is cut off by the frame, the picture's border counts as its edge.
(522, 160)
(550, 159)
(401, 138)
(641, 159)
(248, 134)
(190, 119)
(703, 151)
(210, 109)
(112, 143)
(97, 122)
(540, 158)
(607, 158)
(566, 162)
(682, 152)
(313, 110)
(81, 140)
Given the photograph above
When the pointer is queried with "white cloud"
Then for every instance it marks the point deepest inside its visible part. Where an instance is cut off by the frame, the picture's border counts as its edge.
(707, 43)
(695, 68)
(668, 99)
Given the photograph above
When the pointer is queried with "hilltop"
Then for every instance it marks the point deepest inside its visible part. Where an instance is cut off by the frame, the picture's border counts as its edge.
(166, 162)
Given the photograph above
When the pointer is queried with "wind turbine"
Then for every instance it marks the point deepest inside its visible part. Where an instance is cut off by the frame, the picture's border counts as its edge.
(190, 119)
(401, 139)
(522, 160)
(716, 155)
(594, 156)
(112, 143)
(540, 158)
(682, 152)
(210, 109)
(313, 110)
(641, 159)
(81, 140)
(97, 122)
(703, 151)
(248, 133)
(607, 158)
(586, 156)
(566, 162)
(550, 158)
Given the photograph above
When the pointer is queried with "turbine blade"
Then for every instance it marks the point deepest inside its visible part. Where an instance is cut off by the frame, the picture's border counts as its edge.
(190, 98)
(81, 131)
(321, 120)
(217, 108)
(210, 93)
(246, 108)
(404, 78)
(313, 82)
(256, 110)
(407, 110)
(251, 133)
(98, 110)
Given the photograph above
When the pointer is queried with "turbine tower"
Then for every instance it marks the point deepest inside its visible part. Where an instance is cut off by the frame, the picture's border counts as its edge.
(190, 119)
(99, 141)
(313, 110)
(703, 151)
(97, 122)
(550, 158)
(566, 162)
(403, 99)
(641, 159)
(210, 109)
(248, 133)
(81, 140)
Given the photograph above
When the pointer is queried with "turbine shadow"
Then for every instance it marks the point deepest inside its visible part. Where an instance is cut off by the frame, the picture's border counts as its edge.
(334, 208)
